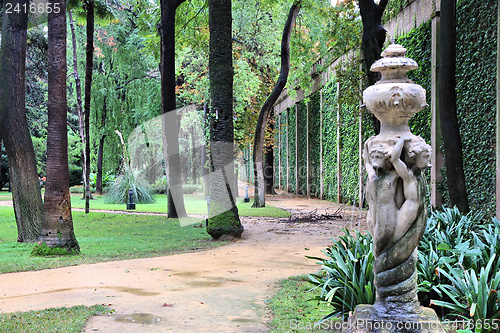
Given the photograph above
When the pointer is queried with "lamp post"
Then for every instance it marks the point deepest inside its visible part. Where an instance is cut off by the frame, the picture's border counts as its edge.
(247, 199)
(130, 204)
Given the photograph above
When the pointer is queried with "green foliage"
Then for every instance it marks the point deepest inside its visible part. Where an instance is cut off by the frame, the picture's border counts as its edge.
(104, 237)
(292, 311)
(330, 140)
(190, 189)
(418, 43)
(346, 276)
(42, 250)
(458, 268)
(473, 295)
(476, 61)
(292, 141)
(130, 179)
(393, 8)
(476, 98)
(302, 147)
(60, 320)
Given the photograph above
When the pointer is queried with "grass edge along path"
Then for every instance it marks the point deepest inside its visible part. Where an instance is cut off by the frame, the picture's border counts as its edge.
(292, 310)
(105, 237)
(53, 320)
(112, 236)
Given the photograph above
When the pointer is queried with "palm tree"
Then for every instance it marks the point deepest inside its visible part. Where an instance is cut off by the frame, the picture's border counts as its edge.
(223, 214)
(14, 130)
(91, 9)
(57, 225)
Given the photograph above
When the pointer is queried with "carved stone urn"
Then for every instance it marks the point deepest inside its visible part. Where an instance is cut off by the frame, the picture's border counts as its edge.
(396, 193)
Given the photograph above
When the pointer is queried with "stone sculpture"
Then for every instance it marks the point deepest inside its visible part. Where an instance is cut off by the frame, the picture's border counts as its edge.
(396, 193)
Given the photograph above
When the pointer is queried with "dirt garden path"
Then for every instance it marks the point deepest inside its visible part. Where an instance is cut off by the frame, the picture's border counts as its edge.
(218, 290)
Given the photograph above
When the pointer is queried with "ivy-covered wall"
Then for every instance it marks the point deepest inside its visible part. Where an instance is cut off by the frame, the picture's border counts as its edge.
(476, 102)
(476, 97)
(330, 141)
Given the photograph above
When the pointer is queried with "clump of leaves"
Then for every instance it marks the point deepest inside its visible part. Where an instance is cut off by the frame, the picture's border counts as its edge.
(42, 250)
(346, 275)
(458, 268)
(134, 180)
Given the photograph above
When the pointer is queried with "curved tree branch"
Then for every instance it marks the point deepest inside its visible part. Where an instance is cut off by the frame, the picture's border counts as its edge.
(259, 200)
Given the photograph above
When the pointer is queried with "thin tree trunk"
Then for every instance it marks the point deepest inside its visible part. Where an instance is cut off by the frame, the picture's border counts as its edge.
(100, 151)
(455, 177)
(170, 128)
(26, 195)
(372, 41)
(193, 158)
(260, 130)
(223, 216)
(79, 104)
(57, 226)
(205, 172)
(88, 91)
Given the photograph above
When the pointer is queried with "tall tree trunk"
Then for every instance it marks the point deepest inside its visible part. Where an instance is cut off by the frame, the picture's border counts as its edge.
(26, 195)
(79, 104)
(223, 216)
(372, 41)
(100, 151)
(89, 64)
(455, 177)
(170, 127)
(260, 130)
(57, 226)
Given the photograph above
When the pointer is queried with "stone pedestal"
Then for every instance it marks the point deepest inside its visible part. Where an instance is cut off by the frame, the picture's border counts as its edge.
(364, 320)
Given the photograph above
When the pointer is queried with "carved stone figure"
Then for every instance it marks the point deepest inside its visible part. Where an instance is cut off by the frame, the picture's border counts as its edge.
(396, 193)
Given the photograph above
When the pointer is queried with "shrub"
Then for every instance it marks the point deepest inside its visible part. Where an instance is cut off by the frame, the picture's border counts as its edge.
(79, 189)
(190, 189)
(346, 276)
(160, 187)
(458, 268)
(130, 179)
(471, 294)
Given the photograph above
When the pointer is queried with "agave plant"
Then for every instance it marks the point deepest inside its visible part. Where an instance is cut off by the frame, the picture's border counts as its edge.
(346, 276)
(130, 179)
(472, 295)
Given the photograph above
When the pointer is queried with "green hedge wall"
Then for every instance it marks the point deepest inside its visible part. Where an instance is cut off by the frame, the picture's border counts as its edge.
(476, 102)
(330, 140)
(302, 146)
(476, 98)
(291, 156)
(314, 144)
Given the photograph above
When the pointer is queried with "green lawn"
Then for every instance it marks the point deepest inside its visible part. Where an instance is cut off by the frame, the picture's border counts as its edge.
(293, 312)
(109, 236)
(104, 237)
(58, 320)
(195, 204)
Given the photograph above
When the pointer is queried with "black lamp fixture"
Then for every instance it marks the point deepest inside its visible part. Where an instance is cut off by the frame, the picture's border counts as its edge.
(131, 204)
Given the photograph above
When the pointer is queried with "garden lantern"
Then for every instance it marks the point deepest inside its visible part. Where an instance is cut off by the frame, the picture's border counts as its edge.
(130, 204)
(247, 199)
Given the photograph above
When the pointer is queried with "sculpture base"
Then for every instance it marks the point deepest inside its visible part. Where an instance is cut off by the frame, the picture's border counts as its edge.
(363, 320)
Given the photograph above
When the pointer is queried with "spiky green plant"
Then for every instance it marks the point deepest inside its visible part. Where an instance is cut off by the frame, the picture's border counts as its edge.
(346, 275)
(130, 179)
